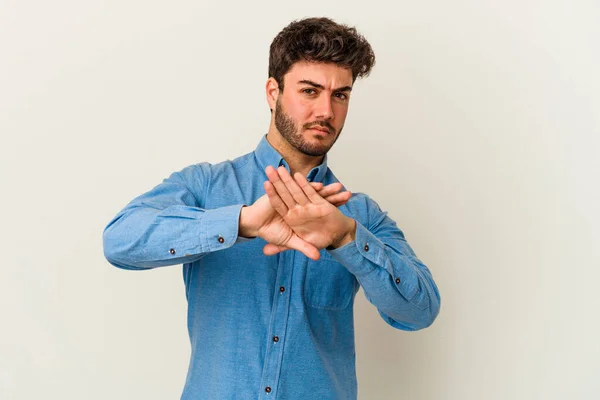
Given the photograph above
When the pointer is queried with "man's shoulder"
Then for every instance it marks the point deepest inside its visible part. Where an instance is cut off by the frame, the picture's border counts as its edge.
(199, 177)
(206, 169)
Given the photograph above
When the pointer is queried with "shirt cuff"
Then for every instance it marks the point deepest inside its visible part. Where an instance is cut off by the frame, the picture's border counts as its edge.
(219, 228)
(367, 252)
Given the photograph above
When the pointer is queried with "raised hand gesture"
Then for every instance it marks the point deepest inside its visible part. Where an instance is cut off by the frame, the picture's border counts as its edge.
(260, 219)
(312, 218)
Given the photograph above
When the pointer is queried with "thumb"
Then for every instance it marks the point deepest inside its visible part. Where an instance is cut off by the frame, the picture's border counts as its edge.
(271, 249)
(295, 243)
(304, 247)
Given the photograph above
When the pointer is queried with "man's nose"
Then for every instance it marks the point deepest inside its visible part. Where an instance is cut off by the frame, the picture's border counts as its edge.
(324, 109)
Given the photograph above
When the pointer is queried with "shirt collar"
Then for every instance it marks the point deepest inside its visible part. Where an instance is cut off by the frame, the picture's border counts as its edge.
(267, 155)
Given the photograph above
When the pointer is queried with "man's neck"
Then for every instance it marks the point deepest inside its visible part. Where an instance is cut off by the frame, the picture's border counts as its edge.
(298, 162)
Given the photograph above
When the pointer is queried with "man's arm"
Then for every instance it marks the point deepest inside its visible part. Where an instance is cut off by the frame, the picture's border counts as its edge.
(168, 225)
(393, 278)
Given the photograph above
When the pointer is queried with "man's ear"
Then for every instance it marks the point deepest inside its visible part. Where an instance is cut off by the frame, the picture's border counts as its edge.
(272, 88)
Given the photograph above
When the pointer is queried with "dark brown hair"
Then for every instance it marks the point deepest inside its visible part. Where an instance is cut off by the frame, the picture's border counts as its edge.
(320, 40)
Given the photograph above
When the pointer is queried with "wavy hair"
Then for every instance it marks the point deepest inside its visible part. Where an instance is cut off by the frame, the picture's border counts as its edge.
(320, 40)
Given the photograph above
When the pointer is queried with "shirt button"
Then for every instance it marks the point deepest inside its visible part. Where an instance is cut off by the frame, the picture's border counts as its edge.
(268, 389)
(282, 289)
(221, 240)
(397, 280)
(172, 251)
(276, 339)
(366, 247)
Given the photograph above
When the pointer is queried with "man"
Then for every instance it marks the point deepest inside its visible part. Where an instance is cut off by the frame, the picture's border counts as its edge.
(273, 250)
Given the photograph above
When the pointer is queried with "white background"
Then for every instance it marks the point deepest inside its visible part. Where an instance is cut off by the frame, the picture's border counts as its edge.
(478, 130)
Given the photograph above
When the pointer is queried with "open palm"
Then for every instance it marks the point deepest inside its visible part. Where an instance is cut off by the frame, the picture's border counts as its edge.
(276, 230)
(311, 218)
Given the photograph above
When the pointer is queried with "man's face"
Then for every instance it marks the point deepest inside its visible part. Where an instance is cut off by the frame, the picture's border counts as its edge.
(311, 110)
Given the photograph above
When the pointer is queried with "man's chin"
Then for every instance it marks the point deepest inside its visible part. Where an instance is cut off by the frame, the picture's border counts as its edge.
(314, 151)
(317, 145)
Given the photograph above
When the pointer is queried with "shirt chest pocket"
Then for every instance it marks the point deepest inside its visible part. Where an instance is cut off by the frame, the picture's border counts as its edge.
(328, 284)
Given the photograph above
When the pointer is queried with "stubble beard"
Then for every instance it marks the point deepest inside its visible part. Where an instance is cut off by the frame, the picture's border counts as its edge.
(287, 127)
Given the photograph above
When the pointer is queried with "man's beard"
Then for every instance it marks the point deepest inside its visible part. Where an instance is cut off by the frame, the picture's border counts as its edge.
(287, 127)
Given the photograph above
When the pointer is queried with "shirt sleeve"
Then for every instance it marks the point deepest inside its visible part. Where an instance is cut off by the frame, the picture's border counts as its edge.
(167, 226)
(393, 278)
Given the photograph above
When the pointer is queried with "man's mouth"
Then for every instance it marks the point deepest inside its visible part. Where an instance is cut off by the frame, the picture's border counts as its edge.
(320, 128)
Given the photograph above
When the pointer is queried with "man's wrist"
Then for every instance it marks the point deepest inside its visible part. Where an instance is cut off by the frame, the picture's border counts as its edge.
(349, 235)
(245, 229)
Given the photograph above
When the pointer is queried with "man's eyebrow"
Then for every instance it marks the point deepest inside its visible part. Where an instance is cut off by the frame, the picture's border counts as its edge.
(318, 86)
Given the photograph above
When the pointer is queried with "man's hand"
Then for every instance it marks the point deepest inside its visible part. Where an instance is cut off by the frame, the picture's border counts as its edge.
(312, 218)
(260, 219)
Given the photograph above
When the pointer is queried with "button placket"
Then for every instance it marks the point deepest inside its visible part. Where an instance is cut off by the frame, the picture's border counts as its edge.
(279, 321)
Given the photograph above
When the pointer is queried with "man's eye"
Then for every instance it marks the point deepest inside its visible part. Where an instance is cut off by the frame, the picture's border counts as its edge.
(309, 91)
(341, 96)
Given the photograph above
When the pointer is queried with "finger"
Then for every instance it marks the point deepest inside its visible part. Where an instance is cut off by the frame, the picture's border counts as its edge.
(280, 187)
(339, 204)
(312, 195)
(292, 186)
(276, 202)
(329, 189)
(317, 185)
(337, 198)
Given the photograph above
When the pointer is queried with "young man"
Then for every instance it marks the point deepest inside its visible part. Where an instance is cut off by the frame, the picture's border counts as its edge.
(266, 322)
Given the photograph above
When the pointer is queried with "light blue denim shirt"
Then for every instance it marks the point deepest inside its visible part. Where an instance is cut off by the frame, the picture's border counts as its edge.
(268, 327)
